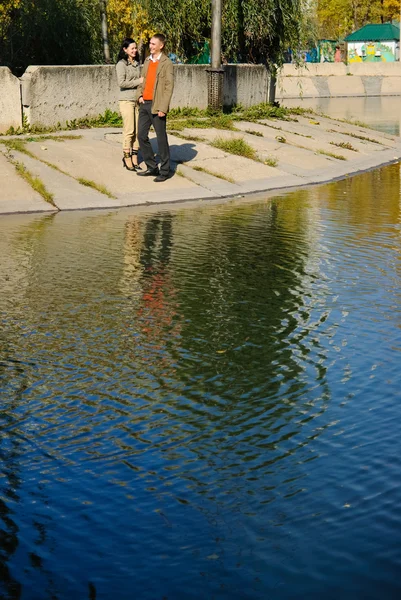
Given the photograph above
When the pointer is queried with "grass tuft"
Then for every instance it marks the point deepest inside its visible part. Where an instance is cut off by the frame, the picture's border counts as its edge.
(345, 145)
(187, 111)
(331, 154)
(254, 132)
(109, 118)
(266, 111)
(363, 138)
(35, 182)
(190, 138)
(354, 122)
(56, 138)
(235, 146)
(271, 161)
(96, 186)
(17, 145)
(219, 175)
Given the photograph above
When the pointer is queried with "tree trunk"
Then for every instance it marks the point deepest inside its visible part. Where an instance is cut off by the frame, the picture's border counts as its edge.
(105, 35)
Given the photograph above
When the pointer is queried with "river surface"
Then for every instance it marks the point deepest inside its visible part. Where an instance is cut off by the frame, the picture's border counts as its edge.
(379, 112)
(204, 402)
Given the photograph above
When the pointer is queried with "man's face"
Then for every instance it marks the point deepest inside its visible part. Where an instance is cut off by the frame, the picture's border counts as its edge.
(155, 46)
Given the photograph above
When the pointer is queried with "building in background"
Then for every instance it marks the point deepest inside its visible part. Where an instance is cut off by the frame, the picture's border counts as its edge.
(374, 43)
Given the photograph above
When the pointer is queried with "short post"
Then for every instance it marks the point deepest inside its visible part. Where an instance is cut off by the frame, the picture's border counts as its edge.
(272, 88)
(215, 72)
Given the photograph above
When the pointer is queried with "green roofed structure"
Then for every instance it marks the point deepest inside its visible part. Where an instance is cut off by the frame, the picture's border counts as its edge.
(376, 32)
(378, 42)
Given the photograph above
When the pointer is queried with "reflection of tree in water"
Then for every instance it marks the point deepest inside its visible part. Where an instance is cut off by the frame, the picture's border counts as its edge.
(249, 361)
(12, 385)
(130, 284)
(156, 249)
(371, 199)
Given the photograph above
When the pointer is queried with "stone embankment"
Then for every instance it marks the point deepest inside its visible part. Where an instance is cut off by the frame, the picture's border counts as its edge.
(83, 169)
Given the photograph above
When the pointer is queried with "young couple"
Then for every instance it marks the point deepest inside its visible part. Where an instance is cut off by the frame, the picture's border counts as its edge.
(144, 101)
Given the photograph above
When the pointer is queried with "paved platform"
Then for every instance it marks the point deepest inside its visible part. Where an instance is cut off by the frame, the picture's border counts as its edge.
(85, 170)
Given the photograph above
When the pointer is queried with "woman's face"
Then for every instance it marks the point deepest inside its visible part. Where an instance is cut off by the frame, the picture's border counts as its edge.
(131, 50)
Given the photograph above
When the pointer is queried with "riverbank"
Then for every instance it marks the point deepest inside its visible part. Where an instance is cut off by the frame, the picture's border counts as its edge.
(83, 169)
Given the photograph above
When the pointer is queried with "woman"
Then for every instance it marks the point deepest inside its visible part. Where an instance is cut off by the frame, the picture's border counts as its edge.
(128, 77)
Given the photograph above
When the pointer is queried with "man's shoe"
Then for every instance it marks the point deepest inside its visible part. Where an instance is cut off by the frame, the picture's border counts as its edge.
(149, 173)
(161, 177)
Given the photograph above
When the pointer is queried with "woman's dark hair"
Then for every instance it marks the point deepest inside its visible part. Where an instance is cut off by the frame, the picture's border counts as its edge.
(125, 44)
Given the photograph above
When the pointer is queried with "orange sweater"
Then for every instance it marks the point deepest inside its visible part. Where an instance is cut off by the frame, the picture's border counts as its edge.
(150, 80)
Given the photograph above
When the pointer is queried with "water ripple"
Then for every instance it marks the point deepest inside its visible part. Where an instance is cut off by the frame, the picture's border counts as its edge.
(204, 403)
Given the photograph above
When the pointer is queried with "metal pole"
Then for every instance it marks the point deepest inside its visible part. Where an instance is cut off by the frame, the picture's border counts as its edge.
(105, 35)
(216, 35)
(215, 73)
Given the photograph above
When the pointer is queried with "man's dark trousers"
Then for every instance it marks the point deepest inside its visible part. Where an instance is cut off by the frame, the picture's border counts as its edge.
(146, 119)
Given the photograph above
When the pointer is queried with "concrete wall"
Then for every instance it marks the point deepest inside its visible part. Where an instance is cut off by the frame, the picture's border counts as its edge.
(245, 84)
(376, 69)
(10, 101)
(314, 70)
(190, 86)
(56, 94)
(52, 95)
(326, 80)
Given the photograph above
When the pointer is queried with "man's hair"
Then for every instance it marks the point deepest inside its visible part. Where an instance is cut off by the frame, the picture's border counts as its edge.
(160, 37)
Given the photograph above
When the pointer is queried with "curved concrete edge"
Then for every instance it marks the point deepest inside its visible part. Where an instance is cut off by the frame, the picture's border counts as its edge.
(94, 158)
(269, 186)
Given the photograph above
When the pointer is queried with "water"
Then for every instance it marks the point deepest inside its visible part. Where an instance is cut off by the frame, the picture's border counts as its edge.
(204, 402)
(379, 112)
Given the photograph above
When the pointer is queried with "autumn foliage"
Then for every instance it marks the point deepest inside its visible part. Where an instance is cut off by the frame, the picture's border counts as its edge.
(261, 31)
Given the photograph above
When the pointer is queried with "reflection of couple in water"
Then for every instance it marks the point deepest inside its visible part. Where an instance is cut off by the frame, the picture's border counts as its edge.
(144, 102)
(147, 278)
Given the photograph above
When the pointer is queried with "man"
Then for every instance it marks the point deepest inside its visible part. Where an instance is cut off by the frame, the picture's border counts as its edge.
(154, 98)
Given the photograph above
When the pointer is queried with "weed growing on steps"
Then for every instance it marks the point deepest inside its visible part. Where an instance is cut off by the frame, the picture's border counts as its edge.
(56, 138)
(19, 146)
(189, 117)
(331, 154)
(35, 182)
(214, 174)
(271, 161)
(190, 138)
(108, 119)
(251, 132)
(345, 145)
(236, 146)
(96, 186)
(356, 136)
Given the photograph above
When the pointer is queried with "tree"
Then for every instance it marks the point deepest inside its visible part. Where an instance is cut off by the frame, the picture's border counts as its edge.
(338, 18)
(51, 32)
(258, 31)
(127, 18)
(186, 23)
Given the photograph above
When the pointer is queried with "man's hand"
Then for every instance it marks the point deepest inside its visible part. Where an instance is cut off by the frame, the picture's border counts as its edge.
(161, 114)
(140, 100)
